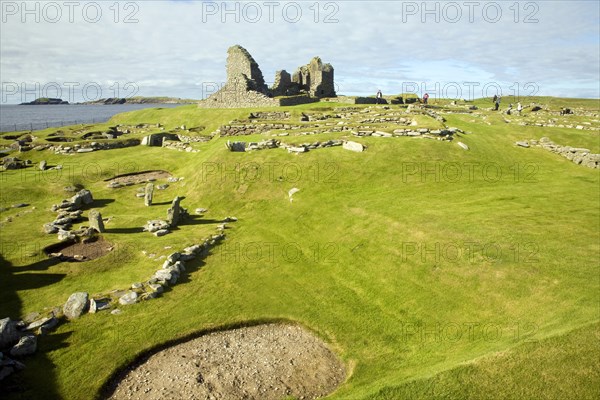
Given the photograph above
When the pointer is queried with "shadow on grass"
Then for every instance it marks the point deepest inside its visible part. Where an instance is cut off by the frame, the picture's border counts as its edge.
(198, 220)
(137, 229)
(164, 203)
(10, 303)
(190, 268)
(98, 203)
(189, 221)
(38, 380)
(14, 279)
(41, 265)
(36, 281)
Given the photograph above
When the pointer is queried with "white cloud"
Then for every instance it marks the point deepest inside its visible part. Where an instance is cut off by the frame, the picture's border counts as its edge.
(177, 45)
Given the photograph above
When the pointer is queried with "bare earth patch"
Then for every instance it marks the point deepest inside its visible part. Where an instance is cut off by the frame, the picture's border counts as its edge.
(267, 362)
(80, 251)
(139, 177)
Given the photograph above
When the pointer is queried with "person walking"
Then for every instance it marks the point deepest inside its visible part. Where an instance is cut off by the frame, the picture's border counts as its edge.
(378, 97)
(425, 98)
(497, 103)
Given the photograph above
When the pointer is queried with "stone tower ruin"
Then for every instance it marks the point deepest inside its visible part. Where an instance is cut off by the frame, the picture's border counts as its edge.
(245, 86)
(241, 68)
(315, 78)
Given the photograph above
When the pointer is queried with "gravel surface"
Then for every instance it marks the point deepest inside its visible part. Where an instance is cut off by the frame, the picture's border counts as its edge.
(267, 362)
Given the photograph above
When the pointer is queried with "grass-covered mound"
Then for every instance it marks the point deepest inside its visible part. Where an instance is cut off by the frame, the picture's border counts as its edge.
(433, 271)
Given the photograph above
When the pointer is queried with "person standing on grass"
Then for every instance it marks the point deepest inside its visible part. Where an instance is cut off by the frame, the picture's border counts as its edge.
(379, 97)
(425, 98)
(519, 108)
(497, 103)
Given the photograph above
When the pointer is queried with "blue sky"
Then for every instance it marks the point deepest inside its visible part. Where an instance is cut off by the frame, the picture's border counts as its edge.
(178, 48)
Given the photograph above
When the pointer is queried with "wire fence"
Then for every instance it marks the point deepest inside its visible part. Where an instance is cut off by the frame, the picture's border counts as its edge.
(36, 126)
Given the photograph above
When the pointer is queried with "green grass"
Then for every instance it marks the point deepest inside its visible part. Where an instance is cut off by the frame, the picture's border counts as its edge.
(563, 367)
(385, 254)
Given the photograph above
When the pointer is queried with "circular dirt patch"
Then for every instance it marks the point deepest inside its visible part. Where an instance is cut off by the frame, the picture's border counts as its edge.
(139, 177)
(73, 251)
(267, 362)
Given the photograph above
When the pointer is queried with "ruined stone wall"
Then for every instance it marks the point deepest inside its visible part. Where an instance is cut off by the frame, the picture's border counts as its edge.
(240, 63)
(296, 100)
(246, 87)
(283, 84)
(157, 139)
(321, 79)
(577, 155)
(236, 96)
(315, 78)
(231, 97)
(301, 78)
(273, 115)
(249, 129)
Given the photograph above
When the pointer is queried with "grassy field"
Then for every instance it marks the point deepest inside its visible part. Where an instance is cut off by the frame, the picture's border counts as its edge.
(432, 271)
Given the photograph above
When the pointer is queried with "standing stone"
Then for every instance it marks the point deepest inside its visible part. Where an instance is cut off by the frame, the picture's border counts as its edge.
(76, 305)
(95, 221)
(148, 194)
(174, 212)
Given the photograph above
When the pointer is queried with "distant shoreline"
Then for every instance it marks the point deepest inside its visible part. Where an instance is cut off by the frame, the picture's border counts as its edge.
(112, 101)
